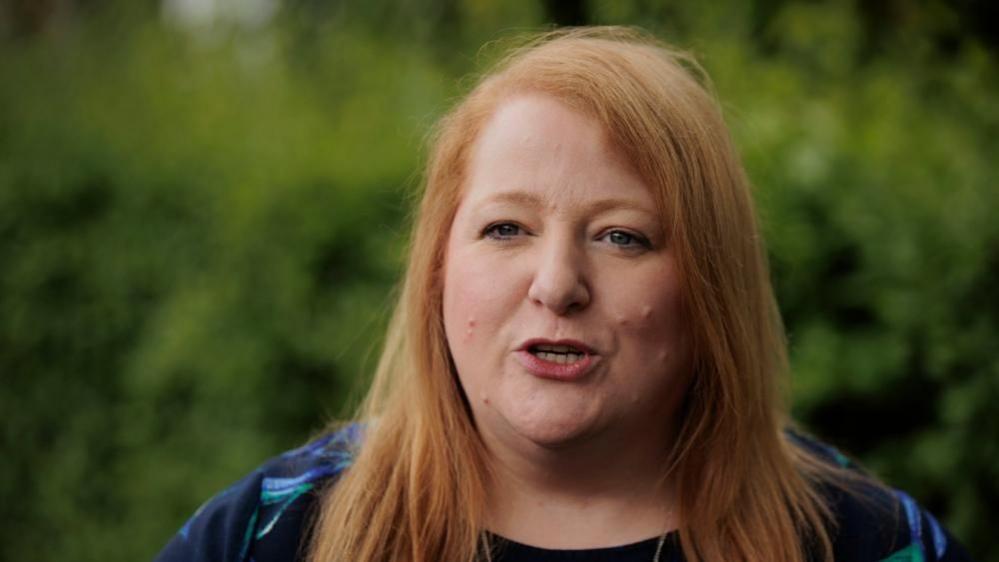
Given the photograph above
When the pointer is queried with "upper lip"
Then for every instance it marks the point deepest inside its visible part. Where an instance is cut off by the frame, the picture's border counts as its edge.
(526, 346)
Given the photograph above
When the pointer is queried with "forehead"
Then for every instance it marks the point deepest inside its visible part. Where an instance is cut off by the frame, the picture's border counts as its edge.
(537, 144)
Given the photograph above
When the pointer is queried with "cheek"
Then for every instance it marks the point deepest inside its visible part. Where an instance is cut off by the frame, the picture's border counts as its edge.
(461, 316)
(477, 300)
(461, 304)
(651, 331)
(477, 306)
(648, 314)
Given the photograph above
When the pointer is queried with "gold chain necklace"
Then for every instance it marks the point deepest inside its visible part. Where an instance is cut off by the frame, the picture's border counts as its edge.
(659, 549)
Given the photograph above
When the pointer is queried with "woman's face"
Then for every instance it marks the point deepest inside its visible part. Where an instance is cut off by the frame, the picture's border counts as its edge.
(561, 294)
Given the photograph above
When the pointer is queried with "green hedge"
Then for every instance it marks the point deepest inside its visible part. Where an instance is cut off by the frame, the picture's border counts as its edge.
(200, 233)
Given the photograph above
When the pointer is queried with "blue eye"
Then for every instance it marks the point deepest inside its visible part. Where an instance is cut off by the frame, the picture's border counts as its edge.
(502, 230)
(627, 240)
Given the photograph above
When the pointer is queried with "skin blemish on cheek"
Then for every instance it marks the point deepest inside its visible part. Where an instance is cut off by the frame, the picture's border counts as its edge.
(471, 327)
(646, 312)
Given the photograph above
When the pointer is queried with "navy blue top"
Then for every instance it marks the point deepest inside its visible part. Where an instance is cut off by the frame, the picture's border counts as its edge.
(265, 517)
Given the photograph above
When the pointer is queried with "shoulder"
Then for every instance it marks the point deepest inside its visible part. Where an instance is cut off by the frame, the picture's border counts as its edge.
(263, 515)
(874, 522)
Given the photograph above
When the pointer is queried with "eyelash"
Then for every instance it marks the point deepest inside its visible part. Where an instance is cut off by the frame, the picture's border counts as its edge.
(638, 241)
(491, 231)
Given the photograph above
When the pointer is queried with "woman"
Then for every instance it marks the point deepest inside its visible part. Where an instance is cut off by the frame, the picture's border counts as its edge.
(585, 361)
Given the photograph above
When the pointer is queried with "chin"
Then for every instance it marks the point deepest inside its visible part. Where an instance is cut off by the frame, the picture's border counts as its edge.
(553, 433)
(547, 417)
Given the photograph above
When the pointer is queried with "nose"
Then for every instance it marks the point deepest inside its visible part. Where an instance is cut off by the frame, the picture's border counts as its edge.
(559, 282)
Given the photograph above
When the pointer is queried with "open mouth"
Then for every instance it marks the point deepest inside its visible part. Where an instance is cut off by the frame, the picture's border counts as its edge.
(561, 360)
(562, 354)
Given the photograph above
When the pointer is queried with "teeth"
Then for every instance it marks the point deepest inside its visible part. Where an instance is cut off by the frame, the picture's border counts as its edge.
(557, 348)
(561, 358)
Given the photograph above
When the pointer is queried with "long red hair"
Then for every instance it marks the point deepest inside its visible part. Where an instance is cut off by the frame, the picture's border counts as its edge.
(417, 490)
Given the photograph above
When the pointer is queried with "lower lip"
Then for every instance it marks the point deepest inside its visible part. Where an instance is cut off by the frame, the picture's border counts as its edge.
(557, 371)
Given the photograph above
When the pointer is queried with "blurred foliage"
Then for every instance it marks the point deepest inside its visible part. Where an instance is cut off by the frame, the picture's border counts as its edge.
(201, 222)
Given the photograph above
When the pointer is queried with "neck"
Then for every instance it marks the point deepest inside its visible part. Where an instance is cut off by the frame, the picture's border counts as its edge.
(603, 491)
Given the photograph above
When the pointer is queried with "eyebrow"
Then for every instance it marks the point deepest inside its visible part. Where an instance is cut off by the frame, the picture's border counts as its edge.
(532, 200)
